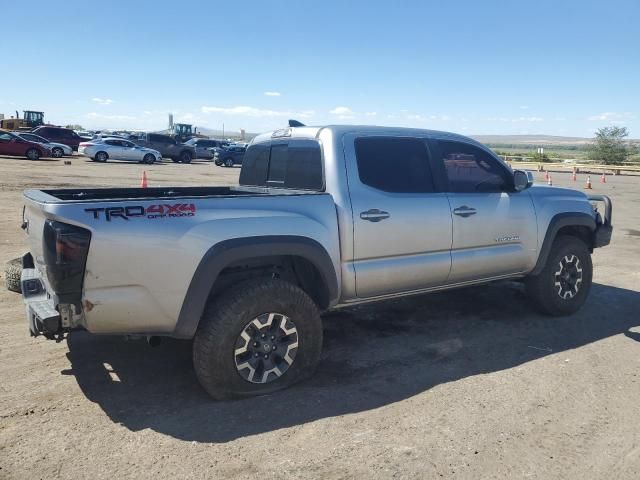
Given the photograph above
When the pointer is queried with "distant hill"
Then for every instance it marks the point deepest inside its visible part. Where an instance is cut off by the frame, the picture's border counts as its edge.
(531, 140)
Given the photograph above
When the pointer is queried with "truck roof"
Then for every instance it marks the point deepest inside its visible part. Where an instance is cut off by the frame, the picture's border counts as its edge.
(313, 132)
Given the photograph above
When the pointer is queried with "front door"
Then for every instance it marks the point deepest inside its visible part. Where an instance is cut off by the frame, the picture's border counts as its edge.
(401, 225)
(494, 227)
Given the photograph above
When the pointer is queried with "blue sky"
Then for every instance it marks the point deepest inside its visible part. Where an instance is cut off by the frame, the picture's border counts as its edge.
(490, 67)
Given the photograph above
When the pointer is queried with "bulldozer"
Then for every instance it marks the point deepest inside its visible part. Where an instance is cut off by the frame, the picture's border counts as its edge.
(30, 120)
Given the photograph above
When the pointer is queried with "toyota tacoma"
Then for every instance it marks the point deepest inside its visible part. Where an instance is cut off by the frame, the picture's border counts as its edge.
(322, 218)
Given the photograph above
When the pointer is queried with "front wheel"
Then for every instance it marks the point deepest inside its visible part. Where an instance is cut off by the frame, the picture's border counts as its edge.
(185, 157)
(149, 158)
(228, 162)
(33, 154)
(57, 152)
(564, 283)
(261, 336)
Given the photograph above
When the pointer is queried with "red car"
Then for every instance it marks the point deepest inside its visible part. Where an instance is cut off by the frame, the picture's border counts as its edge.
(11, 144)
(60, 135)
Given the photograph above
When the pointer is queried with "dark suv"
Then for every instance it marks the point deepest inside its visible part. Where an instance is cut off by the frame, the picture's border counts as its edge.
(229, 156)
(65, 136)
(168, 147)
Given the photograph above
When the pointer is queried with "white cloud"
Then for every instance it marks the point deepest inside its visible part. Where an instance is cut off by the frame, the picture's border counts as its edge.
(256, 112)
(515, 119)
(370, 114)
(102, 101)
(342, 111)
(272, 94)
(524, 107)
(99, 116)
(612, 117)
(416, 117)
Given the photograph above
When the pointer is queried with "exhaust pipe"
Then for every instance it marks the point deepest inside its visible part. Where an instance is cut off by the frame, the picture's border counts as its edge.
(154, 341)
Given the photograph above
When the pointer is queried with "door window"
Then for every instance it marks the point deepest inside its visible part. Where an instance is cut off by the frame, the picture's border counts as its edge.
(394, 164)
(471, 169)
(6, 137)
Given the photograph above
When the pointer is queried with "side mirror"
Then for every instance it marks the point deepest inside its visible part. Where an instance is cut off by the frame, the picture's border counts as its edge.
(522, 180)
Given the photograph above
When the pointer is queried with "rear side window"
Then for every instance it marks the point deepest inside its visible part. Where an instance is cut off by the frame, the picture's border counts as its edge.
(295, 164)
(394, 164)
(471, 169)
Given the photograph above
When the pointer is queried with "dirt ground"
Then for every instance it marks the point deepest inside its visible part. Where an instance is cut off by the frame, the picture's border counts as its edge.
(464, 384)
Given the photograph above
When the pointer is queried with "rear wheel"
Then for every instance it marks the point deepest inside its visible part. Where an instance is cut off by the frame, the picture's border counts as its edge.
(33, 154)
(149, 158)
(57, 152)
(185, 157)
(228, 162)
(564, 283)
(261, 336)
(101, 157)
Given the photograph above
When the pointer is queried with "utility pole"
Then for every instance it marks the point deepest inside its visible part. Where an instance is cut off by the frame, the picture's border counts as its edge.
(223, 130)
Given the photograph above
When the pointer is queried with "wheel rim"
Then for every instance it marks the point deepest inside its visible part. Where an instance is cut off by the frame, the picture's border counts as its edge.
(148, 158)
(32, 155)
(568, 278)
(101, 157)
(186, 157)
(57, 152)
(266, 348)
(229, 163)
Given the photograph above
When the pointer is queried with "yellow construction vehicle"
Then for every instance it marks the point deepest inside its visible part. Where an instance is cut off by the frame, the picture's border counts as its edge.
(30, 119)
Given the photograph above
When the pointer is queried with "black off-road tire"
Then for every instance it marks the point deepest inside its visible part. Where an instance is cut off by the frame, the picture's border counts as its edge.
(226, 317)
(12, 272)
(542, 290)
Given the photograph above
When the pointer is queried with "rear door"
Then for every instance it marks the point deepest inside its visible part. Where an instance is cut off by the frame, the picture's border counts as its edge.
(115, 149)
(494, 227)
(401, 222)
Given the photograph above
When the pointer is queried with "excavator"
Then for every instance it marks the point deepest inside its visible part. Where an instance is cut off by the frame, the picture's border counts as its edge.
(30, 120)
(184, 131)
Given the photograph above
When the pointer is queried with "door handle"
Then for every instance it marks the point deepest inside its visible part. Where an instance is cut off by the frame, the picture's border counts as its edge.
(374, 215)
(464, 211)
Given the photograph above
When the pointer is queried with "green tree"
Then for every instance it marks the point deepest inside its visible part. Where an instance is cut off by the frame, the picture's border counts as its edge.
(609, 146)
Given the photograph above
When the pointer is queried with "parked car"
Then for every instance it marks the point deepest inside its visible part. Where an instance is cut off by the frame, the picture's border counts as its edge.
(204, 146)
(65, 136)
(101, 150)
(168, 147)
(12, 144)
(229, 156)
(324, 217)
(58, 150)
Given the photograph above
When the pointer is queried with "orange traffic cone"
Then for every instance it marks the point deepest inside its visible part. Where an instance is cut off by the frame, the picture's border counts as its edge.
(549, 182)
(588, 184)
(603, 178)
(143, 182)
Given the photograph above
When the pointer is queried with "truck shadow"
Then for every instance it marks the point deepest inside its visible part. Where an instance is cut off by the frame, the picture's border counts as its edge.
(374, 355)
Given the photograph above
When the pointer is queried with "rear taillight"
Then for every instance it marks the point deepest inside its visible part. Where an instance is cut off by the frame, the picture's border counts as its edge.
(85, 144)
(65, 249)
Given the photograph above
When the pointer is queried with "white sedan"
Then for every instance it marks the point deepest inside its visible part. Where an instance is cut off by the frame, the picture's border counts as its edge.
(103, 149)
(57, 149)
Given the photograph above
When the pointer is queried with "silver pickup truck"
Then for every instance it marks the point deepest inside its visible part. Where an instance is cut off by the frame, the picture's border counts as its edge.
(323, 217)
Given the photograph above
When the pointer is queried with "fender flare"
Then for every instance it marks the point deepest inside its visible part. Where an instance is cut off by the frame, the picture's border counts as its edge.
(226, 252)
(559, 221)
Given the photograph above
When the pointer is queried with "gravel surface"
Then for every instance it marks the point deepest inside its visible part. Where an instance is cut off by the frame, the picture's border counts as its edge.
(461, 384)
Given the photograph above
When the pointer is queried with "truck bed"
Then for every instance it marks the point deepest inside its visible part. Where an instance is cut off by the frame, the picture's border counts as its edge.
(75, 195)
